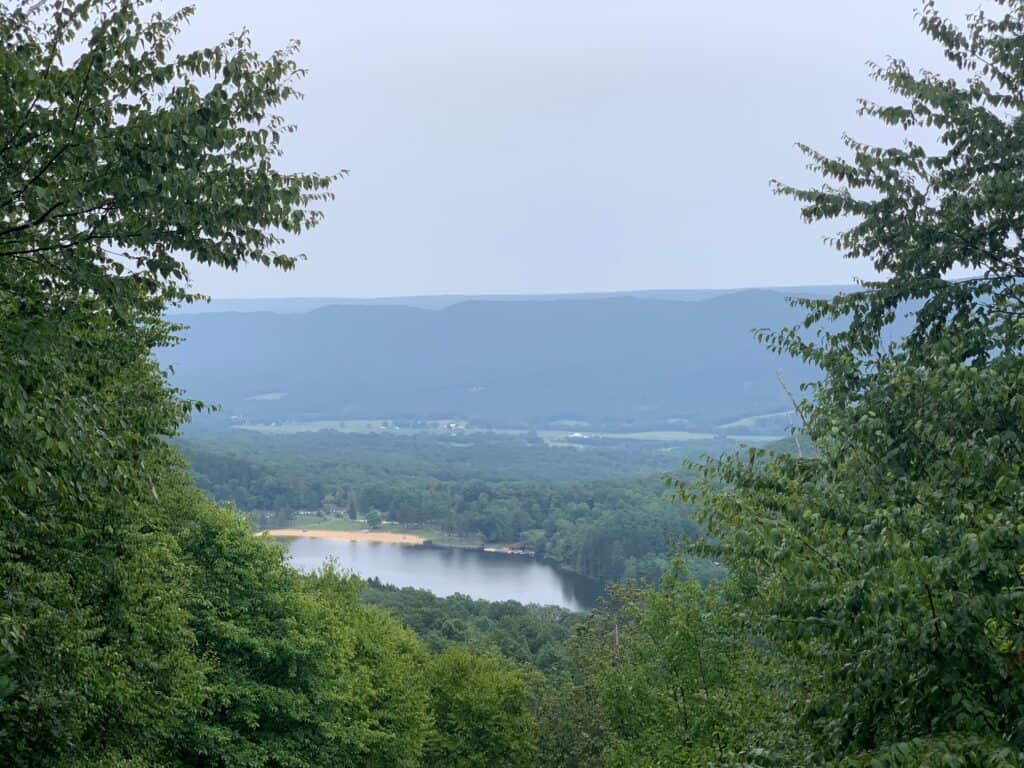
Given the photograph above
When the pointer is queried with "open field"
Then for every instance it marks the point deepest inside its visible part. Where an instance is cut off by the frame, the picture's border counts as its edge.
(351, 426)
(450, 428)
(753, 421)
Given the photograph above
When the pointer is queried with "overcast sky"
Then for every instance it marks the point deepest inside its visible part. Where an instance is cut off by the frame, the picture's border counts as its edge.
(543, 146)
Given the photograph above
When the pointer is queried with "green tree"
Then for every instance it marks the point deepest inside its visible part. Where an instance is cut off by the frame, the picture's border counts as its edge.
(304, 673)
(572, 727)
(481, 709)
(120, 161)
(678, 682)
(94, 598)
(121, 164)
(888, 565)
(116, 168)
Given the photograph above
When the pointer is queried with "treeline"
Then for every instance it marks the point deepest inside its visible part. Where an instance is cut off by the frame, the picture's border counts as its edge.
(531, 635)
(603, 530)
(662, 675)
(300, 471)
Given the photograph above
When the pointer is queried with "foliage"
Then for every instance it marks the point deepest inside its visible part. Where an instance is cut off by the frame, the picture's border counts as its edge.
(678, 682)
(304, 674)
(891, 564)
(95, 620)
(93, 605)
(116, 163)
(527, 634)
(944, 203)
(603, 530)
(481, 712)
(301, 469)
(888, 565)
(573, 730)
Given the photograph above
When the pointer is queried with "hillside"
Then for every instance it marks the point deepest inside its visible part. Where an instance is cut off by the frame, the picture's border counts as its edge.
(611, 363)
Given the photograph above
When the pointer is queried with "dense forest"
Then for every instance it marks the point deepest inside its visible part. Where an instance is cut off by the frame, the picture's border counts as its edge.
(296, 472)
(872, 610)
(603, 530)
(531, 635)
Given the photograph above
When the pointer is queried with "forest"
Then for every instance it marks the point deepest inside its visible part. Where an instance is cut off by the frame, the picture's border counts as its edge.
(601, 529)
(300, 471)
(871, 613)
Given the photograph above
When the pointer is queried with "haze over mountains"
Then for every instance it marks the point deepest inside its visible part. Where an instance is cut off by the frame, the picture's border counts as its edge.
(440, 301)
(683, 360)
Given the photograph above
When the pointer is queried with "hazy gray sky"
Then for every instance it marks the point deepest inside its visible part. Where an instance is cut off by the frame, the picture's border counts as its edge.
(565, 145)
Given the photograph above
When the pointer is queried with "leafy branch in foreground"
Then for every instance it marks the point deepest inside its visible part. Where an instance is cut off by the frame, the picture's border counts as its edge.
(888, 567)
(122, 164)
(941, 212)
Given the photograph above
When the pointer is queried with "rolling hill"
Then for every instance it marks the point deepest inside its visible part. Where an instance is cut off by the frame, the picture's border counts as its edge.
(620, 363)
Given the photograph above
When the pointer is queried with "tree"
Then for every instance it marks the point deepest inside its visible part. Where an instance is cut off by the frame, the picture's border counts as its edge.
(115, 169)
(329, 503)
(118, 166)
(120, 161)
(677, 682)
(94, 599)
(481, 713)
(888, 565)
(928, 212)
(572, 727)
(303, 674)
(373, 519)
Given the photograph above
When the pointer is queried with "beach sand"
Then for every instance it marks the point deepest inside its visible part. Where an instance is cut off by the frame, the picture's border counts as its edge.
(381, 536)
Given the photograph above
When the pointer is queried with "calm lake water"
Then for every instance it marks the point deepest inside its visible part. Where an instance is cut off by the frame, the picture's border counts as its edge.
(445, 571)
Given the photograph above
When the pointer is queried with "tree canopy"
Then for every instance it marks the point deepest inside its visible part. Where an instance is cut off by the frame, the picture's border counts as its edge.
(889, 564)
(122, 159)
(140, 623)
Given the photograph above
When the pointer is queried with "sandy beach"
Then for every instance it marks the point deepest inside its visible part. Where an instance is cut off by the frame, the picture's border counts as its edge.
(381, 536)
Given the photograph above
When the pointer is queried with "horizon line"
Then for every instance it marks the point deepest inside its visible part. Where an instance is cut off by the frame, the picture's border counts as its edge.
(539, 294)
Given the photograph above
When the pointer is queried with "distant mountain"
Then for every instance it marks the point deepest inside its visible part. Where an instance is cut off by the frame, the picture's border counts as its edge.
(620, 363)
(299, 305)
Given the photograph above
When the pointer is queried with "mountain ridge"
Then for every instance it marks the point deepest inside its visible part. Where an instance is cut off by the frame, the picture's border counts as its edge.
(300, 305)
(619, 362)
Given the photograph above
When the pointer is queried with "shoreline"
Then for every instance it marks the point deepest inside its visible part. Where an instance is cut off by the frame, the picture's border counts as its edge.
(378, 536)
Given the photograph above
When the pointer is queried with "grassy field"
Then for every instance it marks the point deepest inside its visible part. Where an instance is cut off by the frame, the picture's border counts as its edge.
(551, 436)
(350, 426)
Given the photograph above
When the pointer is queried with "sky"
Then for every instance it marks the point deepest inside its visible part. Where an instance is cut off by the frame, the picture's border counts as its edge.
(550, 146)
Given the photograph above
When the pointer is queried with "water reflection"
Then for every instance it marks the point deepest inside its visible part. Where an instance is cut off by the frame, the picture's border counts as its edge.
(445, 571)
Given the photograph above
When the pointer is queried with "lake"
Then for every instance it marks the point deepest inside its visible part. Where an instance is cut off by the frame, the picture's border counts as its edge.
(446, 571)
